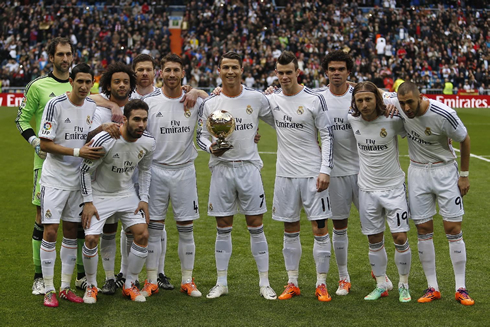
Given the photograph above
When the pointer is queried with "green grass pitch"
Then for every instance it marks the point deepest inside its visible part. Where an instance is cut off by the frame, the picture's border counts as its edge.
(243, 306)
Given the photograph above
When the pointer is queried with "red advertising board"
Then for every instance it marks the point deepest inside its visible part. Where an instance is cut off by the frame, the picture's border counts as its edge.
(11, 99)
(462, 101)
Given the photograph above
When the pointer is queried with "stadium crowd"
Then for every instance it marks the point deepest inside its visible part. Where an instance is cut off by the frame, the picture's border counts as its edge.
(430, 42)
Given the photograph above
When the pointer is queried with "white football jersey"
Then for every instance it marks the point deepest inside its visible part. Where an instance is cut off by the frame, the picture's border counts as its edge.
(172, 127)
(135, 95)
(102, 115)
(68, 125)
(246, 109)
(377, 145)
(298, 119)
(345, 157)
(430, 135)
(112, 174)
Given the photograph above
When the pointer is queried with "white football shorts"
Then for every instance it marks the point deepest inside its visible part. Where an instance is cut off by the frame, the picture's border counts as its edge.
(58, 205)
(121, 207)
(343, 191)
(236, 187)
(374, 206)
(176, 184)
(428, 183)
(290, 194)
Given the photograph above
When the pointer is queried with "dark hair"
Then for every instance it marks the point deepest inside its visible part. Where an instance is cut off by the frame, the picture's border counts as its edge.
(172, 57)
(407, 87)
(288, 57)
(231, 55)
(59, 40)
(118, 67)
(369, 87)
(338, 55)
(143, 58)
(134, 105)
(81, 68)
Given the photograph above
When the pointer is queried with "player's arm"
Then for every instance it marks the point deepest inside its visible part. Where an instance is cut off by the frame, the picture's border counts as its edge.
(265, 113)
(322, 123)
(100, 101)
(202, 135)
(190, 97)
(464, 181)
(27, 109)
(86, 151)
(111, 128)
(144, 178)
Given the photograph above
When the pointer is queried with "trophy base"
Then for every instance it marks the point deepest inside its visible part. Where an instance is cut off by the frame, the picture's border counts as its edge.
(221, 147)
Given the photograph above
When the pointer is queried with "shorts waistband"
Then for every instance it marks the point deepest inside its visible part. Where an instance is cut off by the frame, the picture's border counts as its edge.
(234, 163)
(431, 164)
(179, 166)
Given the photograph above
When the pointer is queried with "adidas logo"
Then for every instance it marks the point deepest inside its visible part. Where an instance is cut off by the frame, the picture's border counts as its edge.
(358, 133)
(159, 114)
(116, 155)
(67, 121)
(52, 95)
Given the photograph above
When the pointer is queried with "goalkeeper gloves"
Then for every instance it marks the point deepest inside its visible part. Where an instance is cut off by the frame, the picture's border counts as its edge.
(36, 144)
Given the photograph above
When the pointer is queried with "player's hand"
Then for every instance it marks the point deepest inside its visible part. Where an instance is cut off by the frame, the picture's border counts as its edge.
(257, 137)
(36, 144)
(219, 152)
(117, 115)
(217, 91)
(187, 88)
(143, 209)
(88, 212)
(88, 152)
(322, 182)
(271, 89)
(112, 129)
(391, 110)
(464, 185)
(189, 99)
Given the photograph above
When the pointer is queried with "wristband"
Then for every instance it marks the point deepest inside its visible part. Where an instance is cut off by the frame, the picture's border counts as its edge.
(464, 173)
(76, 152)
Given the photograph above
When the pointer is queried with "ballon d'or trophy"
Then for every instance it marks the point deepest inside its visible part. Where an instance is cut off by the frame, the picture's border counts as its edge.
(221, 124)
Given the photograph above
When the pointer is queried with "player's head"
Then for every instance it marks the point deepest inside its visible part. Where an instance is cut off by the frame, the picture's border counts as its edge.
(135, 118)
(144, 68)
(81, 80)
(118, 81)
(60, 52)
(337, 66)
(230, 69)
(410, 98)
(172, 71)
(367, 101)
(287, 71)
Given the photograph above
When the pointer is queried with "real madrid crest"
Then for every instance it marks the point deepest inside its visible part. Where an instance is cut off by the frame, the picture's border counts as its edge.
(210, 207)
(89, 121)
(249, 109)
(428, 132)
(141, 154)
(187, 113)
(383, 132)
(300, 110)
(48, 214)
(273, 209)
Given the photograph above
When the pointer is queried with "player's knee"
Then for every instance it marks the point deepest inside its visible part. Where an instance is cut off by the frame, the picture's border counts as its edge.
(91, 241)
(50, 233)
(425, 228)
(141, 236)
(400, 238)
(340, 224)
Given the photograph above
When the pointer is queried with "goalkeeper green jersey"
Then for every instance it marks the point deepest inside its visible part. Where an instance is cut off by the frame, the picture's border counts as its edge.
(37, 93)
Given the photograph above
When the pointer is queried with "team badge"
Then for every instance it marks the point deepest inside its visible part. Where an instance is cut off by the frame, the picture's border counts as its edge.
(187, 113)
(141, 154)
(383, 133)
(199, 122)
(300, 110)
(47, 126)
(428, 132)
(273, 210)
(89, 121)
(38, 195)
(23, 104)
(48, 214)
(249, 109)
(210, 207)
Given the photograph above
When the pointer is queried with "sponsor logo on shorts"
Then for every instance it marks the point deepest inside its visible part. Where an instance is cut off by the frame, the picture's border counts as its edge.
(210, 207)
(249, 109)
(141, 154)
(47, 126)
(48, 214)
(187, 113)
(383, 132)
(428, 132)
(300, 110)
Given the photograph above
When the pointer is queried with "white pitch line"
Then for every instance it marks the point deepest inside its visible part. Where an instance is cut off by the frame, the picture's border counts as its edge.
(475, 156)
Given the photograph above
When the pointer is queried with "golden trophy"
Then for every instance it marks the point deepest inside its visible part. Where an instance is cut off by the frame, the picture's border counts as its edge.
(221, 124)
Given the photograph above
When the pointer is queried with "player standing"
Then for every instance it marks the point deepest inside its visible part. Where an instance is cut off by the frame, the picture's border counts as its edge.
(235, 181)
(381, 184)
(302, 172)
(112, 194)
(433, 175)
(64, 127)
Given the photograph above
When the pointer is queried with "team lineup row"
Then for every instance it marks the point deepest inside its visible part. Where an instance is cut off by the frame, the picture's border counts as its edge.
(356, 163)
